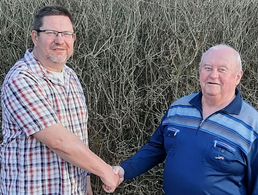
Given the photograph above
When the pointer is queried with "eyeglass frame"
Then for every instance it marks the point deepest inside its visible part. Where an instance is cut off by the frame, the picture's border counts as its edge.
(65, 34)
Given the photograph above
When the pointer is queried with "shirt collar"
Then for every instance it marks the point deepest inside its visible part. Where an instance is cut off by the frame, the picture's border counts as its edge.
(233, 108)
(41, 71)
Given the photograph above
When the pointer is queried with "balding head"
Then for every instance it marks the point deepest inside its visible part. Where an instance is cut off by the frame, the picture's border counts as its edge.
(224, 48)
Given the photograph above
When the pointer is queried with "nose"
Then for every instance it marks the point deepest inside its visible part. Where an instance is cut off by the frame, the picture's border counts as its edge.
(214, 73)
(59, 38)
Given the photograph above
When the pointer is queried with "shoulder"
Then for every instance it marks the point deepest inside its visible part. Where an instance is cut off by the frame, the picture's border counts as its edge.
(249, 115)
(182, 106)
(71, 73)
(18, 71)
(20, 77)
(184, 100)
(247, 108)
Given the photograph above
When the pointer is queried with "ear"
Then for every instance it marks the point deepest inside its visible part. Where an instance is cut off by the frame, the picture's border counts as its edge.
(74, 37)
(239, 76)
(34, 37)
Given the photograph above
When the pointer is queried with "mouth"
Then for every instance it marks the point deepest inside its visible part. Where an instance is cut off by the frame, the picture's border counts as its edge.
(58, 49)
(212, 83)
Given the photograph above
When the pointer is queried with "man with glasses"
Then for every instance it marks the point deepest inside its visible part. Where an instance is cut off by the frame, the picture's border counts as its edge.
(45, 139)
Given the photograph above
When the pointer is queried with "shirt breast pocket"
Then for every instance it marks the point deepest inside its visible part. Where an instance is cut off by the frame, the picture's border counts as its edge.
(226, 158)
(170, 139)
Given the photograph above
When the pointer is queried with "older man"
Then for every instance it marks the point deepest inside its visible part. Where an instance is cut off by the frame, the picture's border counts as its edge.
(45, 139)
(208, 140)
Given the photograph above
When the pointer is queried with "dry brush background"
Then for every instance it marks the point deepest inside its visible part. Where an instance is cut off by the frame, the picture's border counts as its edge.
(134, 58)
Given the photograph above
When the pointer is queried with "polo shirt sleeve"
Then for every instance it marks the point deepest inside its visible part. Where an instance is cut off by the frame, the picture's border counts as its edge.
(26, 105)
(253, 169)
(149, 156)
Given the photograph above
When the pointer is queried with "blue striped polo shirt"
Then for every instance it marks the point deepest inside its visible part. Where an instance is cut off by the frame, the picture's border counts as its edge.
(215, 155)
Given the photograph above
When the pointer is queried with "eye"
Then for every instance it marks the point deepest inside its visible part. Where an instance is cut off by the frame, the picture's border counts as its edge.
(222, 70)
(67, 34)
(50, 32)
(207, 68)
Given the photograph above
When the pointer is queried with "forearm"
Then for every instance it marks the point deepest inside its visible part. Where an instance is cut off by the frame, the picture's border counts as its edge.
(81, 156)
(142, 161)
(70, 148)
(147, 157)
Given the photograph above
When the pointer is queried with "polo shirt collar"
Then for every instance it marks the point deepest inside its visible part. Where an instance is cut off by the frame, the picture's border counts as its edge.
(233, 108)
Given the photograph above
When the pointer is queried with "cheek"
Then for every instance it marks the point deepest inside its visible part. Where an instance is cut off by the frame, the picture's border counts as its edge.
(42, 48)
(202, 78)
(229, 83)
(45, 45)
(70, 47)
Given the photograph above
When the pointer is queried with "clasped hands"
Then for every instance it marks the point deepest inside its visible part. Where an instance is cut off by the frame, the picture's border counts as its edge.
(113, 181)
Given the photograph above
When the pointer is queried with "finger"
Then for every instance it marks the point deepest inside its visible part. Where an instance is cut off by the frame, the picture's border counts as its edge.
(105, 188)
(115, 169)
(108, 189)
(121, 179)
(118, 170)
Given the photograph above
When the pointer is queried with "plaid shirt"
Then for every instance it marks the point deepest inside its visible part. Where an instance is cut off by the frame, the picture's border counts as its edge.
(32, 100)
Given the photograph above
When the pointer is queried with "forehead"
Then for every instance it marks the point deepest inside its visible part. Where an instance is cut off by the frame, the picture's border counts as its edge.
(222, 57)
(58, 22)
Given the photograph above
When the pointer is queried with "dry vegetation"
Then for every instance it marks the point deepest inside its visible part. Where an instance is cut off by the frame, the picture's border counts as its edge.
(136, 57)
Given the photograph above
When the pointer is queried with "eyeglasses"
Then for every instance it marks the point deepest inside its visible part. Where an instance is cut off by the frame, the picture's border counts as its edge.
(54, 33)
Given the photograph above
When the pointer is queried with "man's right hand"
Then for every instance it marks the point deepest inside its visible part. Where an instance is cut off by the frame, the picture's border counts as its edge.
(120, 171)
(111, 181)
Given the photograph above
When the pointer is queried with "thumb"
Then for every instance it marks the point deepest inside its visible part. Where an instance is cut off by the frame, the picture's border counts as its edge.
(118, 170)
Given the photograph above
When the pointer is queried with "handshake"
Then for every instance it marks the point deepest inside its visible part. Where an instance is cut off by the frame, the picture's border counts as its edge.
(111, 182)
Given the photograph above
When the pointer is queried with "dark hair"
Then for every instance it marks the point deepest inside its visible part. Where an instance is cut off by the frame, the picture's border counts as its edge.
(49, 11)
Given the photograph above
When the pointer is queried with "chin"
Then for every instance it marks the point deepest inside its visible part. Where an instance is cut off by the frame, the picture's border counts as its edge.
(210, 93)
(56, 60)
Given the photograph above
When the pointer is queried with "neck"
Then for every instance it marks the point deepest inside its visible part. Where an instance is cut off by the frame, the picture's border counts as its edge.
(211, 105)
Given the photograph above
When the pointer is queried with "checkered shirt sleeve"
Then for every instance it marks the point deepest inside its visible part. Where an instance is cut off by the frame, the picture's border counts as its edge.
(27, 103)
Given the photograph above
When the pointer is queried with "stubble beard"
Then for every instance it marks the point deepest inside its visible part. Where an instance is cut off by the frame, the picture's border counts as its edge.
(62, 59)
